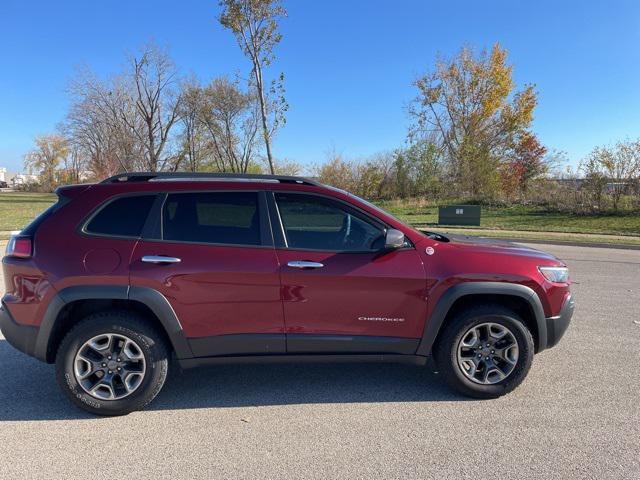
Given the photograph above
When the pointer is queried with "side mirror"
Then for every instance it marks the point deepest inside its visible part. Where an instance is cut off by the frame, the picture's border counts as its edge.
(393, 239)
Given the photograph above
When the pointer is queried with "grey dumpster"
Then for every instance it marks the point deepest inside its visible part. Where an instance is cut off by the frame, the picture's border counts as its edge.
(459, 215)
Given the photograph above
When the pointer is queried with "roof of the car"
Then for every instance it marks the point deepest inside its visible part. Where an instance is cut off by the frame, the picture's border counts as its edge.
(137, 177)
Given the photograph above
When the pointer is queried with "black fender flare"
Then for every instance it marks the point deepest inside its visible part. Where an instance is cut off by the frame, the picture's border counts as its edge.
(153, 299)
(449, 297)
(162, 309)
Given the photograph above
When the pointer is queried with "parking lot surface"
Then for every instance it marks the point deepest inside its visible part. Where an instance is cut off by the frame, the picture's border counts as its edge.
(576, 416)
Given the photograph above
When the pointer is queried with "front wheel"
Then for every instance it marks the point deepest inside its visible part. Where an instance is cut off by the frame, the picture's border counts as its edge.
(485, 351)
(112, 363)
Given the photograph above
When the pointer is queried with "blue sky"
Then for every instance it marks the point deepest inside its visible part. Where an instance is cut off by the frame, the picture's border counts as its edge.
(349, 64)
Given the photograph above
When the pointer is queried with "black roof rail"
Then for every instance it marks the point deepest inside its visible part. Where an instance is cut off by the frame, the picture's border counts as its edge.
(186, 176)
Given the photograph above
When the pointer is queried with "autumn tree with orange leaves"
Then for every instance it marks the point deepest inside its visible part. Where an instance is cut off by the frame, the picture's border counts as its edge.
(469, 107)
(526, 164)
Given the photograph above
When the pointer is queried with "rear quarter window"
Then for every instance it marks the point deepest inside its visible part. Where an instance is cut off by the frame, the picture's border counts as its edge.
(122, 217)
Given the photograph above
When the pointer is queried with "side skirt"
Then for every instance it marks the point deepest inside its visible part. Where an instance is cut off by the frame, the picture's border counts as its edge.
(349, 344)
(245, 344)
(288, 358)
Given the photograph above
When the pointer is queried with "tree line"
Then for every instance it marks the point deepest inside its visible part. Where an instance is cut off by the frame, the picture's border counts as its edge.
(470, 135)
(149, 117)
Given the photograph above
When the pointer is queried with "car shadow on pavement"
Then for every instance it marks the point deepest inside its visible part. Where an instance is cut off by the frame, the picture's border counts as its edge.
(28, 390)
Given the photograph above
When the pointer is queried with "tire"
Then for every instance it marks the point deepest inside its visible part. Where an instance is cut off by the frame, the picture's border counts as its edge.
(143, 353)
(451, 361)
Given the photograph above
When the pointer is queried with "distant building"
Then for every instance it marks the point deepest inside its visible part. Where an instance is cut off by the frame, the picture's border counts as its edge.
(14, 179)
(610, 187)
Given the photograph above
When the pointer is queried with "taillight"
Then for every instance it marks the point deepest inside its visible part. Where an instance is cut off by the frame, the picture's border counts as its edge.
(20, 247)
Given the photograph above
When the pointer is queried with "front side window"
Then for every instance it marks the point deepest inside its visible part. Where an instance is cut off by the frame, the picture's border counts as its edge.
(212, 217)
(313, 222)
(123, 217)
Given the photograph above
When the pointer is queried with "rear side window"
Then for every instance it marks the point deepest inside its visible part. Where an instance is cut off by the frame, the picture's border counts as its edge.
(230, 218)
(123, 217)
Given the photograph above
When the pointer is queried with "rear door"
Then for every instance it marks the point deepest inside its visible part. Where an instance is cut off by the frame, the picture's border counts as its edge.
(211, 255)
(342, 292)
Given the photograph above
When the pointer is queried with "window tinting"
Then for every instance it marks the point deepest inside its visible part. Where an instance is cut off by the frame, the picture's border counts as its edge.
(123, 217)
(314, 222)
(217, 217)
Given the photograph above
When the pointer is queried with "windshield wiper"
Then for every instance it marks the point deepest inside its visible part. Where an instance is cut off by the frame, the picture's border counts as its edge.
(436, 236)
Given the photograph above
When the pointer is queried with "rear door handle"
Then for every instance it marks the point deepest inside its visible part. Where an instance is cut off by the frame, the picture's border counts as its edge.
(304, 264)
(160, 259)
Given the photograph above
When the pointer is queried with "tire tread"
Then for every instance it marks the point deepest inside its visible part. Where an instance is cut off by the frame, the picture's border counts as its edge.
(137, 325)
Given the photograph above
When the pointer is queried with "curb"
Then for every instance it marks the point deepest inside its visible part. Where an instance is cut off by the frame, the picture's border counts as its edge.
(549, 241)
(568, 243)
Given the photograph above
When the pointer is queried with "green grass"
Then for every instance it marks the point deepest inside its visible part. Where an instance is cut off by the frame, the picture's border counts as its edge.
(17, 209)
(421, 214)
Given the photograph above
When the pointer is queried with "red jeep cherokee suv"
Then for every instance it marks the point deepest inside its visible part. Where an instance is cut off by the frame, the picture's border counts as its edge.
(117, 277)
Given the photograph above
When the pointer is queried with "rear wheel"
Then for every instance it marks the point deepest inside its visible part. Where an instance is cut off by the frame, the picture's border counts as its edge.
(485, 352)
(112, 363)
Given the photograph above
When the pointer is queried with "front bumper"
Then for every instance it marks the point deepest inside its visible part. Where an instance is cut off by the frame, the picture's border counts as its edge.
(22, 337)
(557, 326)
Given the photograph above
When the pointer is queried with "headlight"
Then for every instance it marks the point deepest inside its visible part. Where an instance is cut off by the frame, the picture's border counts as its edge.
(555, 274)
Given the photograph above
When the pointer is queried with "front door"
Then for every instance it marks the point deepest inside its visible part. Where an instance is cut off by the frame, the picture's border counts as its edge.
(214, 261)
(342, 292)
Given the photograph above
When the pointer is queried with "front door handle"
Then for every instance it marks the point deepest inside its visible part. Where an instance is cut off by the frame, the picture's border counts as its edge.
(304, 264)
(160, 259)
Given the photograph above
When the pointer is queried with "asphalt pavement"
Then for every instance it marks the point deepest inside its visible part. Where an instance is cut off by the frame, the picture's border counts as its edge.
(577, 415)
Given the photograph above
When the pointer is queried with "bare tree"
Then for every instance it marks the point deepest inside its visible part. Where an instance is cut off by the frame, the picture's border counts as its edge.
(616, 167)
(154, 79)
(231, 120)
(192, 138)
(127, 122)
(95, 125)
(255, 26)
(74, 164)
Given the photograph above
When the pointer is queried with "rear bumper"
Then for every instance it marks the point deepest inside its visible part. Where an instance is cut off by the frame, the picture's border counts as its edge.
(21, 337)
(557, 326)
